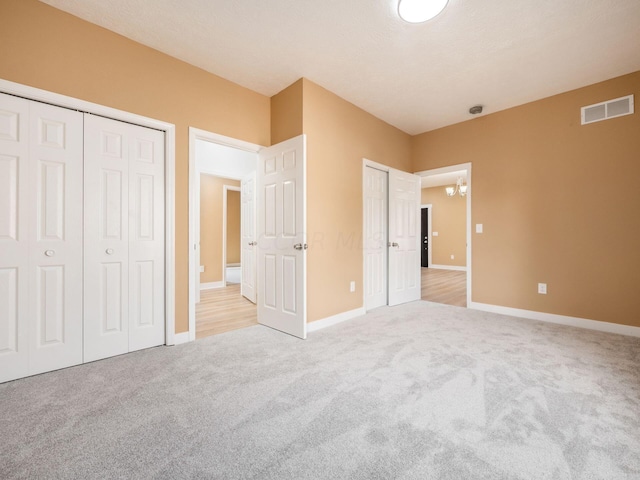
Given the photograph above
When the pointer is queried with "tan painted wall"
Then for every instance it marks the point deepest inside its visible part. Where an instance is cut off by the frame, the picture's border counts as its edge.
(286, 113)
(558, 202)
(211, 203)
(233, 226)
(49, 49)
(449, 219)
(339, 135)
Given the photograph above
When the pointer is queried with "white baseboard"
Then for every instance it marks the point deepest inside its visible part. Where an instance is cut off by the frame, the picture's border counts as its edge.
(335, 319)
(233, 265)
(449, 267)
(180, 338)
(211, 285)
(560, 319)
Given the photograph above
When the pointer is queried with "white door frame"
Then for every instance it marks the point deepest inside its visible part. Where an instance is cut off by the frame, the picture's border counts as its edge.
(429, 214)
(455, 168)
(225, 192)
(45, 96)
(194, 202)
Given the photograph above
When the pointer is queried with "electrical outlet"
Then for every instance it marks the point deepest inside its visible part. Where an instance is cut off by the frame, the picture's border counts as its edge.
(542, 288)
(452, 257)
(478, 228)
(352, 286)
(201, 268)
(434, 234)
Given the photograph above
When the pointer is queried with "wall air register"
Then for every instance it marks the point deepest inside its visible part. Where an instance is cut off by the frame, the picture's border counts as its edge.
(604, 111)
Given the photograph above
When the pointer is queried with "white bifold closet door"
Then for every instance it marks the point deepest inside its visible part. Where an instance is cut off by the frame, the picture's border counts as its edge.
(40, 237)
(123, 238)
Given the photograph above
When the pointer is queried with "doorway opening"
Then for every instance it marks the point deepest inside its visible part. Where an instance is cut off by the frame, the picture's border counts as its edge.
(219, 166)
(446, 236)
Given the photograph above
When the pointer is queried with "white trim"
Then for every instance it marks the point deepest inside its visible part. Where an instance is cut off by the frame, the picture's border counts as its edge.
(181, 338)
(170, 161)
(194, 213)
(455, 168)
(429, 208)
(212, 285)
(559, 319)
(225, 193)
(335, 319)
(449, 267)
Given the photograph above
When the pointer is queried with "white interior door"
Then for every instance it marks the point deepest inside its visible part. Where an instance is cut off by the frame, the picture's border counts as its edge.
(124, 240)
(404, 237)
(281, 187)
(40, 237)
(106, 239)
(14, 237)
(249, 249)
(376, 196)
(55, 247)
(146, 237)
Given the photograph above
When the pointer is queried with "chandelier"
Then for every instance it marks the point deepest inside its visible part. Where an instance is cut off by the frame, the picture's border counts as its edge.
(460, 189)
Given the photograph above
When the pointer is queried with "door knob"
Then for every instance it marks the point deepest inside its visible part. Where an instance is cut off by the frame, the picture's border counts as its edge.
(300, 246)
(393, 244)
(109, 251)
(253, 244)
(50, 253)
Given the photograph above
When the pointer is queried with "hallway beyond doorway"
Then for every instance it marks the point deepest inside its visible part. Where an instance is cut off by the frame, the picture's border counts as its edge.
(223, 310)
(444, 286)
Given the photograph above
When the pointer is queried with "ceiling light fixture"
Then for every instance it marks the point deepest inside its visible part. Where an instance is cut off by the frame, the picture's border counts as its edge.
(460, 188)
(418, 11)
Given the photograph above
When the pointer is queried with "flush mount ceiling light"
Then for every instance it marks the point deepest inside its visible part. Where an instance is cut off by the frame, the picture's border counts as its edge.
(418, 11)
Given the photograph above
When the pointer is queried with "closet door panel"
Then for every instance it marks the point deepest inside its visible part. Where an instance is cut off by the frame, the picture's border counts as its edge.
(55, 247)
(146, 238)
(14, 241)
(106, 238)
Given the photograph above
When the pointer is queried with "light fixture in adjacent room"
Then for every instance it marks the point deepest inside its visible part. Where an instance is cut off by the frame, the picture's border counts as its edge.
(460, 189)
(418, 11)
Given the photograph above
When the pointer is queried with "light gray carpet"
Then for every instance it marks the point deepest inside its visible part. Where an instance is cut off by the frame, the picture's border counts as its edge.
(420, 391)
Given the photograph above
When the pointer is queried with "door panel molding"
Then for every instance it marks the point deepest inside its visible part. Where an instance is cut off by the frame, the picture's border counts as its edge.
(281, 234)
(169, 175)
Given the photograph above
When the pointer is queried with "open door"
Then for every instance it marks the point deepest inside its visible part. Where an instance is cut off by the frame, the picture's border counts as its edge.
(248, 249)
(282, 256)
(404, 237)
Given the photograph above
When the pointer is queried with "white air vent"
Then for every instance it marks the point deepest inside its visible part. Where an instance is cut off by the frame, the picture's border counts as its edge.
(606, 110)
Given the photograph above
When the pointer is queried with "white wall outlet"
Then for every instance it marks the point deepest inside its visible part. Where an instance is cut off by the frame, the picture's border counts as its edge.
(434, 234)
(542, 288)
(478, 228)
(452, 257)
(201, 268)
(352, 286)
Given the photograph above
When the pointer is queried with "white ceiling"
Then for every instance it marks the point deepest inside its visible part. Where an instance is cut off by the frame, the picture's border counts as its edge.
(498, 53)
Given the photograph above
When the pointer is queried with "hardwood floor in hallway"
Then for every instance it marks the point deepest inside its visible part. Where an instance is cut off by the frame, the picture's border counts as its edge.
(444, 286)
(222, 310)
